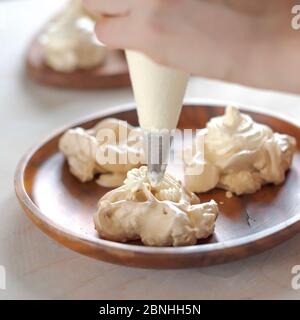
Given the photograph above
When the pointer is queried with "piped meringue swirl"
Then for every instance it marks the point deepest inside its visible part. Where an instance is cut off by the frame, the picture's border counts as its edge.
(243, 154)
(164, 215)
(70, 43)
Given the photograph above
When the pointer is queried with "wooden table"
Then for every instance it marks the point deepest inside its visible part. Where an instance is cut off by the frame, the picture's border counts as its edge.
(36, 266)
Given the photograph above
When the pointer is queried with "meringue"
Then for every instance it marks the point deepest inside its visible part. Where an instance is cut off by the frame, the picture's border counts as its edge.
(240, 155)
(164, 215)
(89, 152)
(70, 43)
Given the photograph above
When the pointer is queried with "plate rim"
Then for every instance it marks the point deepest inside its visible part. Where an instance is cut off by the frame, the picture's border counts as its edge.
(238, 243)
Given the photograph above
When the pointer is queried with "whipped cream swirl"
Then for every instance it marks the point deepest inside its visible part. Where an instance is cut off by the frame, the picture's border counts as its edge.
(70, 42)
(240, 155)
(164, 215)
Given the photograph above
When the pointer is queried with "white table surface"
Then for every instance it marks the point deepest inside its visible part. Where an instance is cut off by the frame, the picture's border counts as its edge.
(37, 266)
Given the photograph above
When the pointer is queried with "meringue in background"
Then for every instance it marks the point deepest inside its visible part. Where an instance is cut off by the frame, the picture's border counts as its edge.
(70, 42)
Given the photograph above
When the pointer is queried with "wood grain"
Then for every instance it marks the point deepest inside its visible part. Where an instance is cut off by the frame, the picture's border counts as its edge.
(63, 207)
(113, 73)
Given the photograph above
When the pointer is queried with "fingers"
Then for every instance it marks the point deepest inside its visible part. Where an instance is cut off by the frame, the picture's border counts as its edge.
(121, 23)
(116, 32)
(108, 7)
(113, 26)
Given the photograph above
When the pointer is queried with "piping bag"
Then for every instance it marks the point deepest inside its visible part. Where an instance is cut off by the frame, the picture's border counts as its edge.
(159, 93)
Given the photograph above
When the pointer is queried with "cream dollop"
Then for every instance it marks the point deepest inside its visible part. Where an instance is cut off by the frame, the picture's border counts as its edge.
(165, 215)
(70, 43)
(90, 152)
(240, 155)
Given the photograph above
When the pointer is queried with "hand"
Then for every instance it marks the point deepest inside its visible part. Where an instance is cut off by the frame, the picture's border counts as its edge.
(235, 40)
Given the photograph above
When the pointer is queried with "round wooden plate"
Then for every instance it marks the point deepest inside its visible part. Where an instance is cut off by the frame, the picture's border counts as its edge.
(63, 207)
(113, 73)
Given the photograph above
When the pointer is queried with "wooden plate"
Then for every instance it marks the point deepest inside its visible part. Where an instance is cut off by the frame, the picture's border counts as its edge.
(112, 74)
(63, 207)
